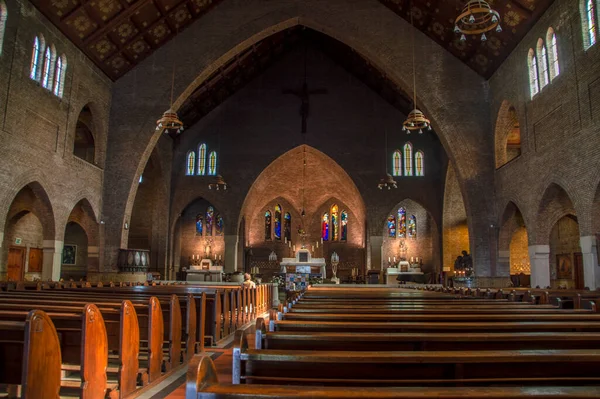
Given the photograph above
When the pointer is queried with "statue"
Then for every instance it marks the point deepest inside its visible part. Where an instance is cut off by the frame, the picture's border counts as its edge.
(467, 263)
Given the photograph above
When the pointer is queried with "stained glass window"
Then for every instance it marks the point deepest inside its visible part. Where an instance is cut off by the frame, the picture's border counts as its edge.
(412, 227)
(397, 163)
(219, 225)
(277, 222)
(190, 163)
(35, 59)
(210, 215)
(212, 163)
(325, 227)
(419, 164)
(287, 226)
(401, 223)
(553, 50)
(47, 68)
(543, 63)
(408, 160)
(391, 226)
(344, 227)
(59, 76)
(202, 159)
(335, 234)
(534, 84)
(3, 15)
(268, 225)
(590, 17)
(199, 224)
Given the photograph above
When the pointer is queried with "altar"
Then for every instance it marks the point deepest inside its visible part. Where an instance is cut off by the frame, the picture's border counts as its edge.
(298, 270)
(205, 271)
(406, 272)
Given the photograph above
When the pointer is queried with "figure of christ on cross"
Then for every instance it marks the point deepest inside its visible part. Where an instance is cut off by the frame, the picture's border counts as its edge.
(304, 96)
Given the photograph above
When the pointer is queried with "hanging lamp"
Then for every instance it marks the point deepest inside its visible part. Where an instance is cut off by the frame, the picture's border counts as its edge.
(170, 122)
(387, 181)
(477, 18)
(416, 120)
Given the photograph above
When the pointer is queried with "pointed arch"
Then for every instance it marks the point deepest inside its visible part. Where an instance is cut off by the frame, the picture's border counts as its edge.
(534, 82)
(48, 69)
(401, 232)
(202, 159)
(325, 227)
(552, 53)
(3, 17)
(287, 226)
(268, 225)
(542, 54)
(397, 163)
(59, 76)
(408, 159)
(391, 226)
(419, 163)
(212, 163)
(190, 163)
(39, 45)
(210, 219)
(277, 229)
(588, 22)
(344, 226)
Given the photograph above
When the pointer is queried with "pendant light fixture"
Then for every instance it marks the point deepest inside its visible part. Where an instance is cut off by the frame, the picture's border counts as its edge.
(477, 18)
(416, 120)
(170, 122)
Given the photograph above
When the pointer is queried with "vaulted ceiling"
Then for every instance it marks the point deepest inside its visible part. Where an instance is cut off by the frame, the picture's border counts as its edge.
(118, 34)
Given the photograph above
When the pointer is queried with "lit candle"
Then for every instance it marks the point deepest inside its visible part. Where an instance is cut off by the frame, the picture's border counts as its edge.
(389, 259)
(321, 240)
(285, 240)
(313, 248)
(220, 257)
(290, 244)
(394, 259)
(412, 259)
(294, 248)
(317, 244)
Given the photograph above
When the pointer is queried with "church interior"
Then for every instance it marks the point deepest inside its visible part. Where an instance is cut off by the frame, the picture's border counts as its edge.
(326, 153)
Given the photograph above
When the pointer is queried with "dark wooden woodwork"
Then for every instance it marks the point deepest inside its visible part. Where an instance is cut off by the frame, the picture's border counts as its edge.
(16, 263)
(35, 263)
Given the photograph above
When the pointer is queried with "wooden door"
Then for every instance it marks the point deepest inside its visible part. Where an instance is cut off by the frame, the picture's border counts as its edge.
(578, 258)
(16, 263)
(35, 260)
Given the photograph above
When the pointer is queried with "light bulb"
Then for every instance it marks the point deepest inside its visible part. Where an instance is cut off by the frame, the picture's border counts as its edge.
(379, 186)
(420, 131)
(498, 28)
(471, 18)
(494, 19)
(429, 127)
(456, 29)
(463, 37)
(483, 37)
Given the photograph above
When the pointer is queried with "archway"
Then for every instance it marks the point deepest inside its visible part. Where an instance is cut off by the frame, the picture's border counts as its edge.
(325, 184)
(513, 247)
(411, 234)
(84, 145)
(455, 235)
(80, 250)
(507, 134)
(29, 222)
(566, 261)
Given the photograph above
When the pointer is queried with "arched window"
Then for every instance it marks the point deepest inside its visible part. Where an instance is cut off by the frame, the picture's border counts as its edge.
(287, 226)
(219, 225)
(397, 163)
(48, 70)
(401, 223)
(202, 159)
(59, 76)
(344, 225)
(534, 83)
(278, 222)
(391, 225)
(412, 227)
(542, 54)
(210, 214)
(419, 164)
(335, 233)
(190, 163)
(267, 225)
(588, 23)
(212, 163)
(36, 63)
(325, 227)
(199, 224)
(3, 16)
(408, 160)
(553, 53)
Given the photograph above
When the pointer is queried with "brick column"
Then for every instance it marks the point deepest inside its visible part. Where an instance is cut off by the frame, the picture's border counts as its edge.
(539, 257)
(503, 265)
(231, 246)
(591, 271)
(376, 244)
(52, 259)
(93, 263)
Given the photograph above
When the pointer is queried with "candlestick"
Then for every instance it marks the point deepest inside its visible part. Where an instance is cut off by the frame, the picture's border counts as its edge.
(313, 248)
(294, 248)
(321, 240)
(394, 259)
(285, 240)
(389, 259)
(290, 244)
(317, 244)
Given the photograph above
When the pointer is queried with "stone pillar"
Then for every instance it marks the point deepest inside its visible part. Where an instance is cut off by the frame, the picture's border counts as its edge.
(231, 251)
(539, 257)
(591, 271)
(503, 264)
(52, 259)
(376, 243)
(93, 263)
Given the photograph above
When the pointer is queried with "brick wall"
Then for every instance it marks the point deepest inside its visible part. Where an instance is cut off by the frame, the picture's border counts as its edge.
(455, 229)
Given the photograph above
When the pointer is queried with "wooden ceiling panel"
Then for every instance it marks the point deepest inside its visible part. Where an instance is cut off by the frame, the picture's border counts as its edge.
(118, 34)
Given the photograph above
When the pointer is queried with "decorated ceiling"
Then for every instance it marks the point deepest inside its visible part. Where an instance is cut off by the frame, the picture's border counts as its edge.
(118, 34)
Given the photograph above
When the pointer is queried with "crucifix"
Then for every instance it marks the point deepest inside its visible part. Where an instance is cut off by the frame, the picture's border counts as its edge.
(304, 95)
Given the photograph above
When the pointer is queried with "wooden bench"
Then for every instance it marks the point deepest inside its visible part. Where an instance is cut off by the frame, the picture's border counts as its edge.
(30, 356)
(202, 383)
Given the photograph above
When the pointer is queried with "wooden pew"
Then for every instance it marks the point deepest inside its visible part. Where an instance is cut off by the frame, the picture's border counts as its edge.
(202, 383)
(30, 356)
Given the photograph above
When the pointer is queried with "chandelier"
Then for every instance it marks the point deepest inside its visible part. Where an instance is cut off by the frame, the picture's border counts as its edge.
(477, 17)
(416, 120)
(170, 122)
(388, 181)
(218, 184)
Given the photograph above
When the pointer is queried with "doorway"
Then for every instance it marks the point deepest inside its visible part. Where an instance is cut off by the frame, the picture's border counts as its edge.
(16, 263)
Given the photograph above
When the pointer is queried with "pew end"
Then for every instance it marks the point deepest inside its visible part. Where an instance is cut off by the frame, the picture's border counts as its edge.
(200, 375)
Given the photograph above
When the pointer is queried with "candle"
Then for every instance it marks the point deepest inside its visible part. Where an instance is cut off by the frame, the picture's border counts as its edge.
(290, 244)
(389, 259)
(317, 244)
(313, 248)
(294, 248)
(412, 259)
(321, 240)
(220, 257)
(285, 240)
(394, 259)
